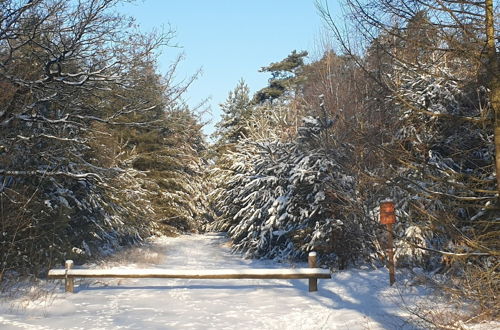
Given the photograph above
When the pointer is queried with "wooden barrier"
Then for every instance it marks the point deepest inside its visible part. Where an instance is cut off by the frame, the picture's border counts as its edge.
(313, 273)
(313, 282)
(69, 283)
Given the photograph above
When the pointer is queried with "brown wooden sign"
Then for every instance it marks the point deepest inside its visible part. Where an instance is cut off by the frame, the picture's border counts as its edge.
(388, 218)
(387, 213)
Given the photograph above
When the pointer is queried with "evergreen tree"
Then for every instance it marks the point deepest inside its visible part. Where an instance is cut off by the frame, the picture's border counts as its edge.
(234, 120)
(84, 135)
(283, 199)
(285, 77)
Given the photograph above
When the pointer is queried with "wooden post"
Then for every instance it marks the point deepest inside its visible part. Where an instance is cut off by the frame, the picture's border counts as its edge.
(390, 254)
(313, 282)
(69, 281)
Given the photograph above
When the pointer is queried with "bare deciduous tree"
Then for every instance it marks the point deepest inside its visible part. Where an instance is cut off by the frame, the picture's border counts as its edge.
(434, 67)
(76, 80)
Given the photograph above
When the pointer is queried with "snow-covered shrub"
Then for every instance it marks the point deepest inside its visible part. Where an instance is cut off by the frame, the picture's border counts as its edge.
(173, 169)
(443, 180)
(283, 199)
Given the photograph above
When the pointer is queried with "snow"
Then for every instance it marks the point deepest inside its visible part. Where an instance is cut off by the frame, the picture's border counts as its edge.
(189, 273)
(353, 299)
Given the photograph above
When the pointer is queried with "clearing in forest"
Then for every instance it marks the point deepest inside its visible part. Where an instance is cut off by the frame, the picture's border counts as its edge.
(353, 299)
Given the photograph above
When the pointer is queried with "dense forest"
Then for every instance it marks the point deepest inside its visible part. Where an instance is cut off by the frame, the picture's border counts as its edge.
(99, 151)
(411, 114)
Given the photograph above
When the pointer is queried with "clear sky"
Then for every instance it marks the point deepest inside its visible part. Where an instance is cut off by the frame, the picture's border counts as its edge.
(229, 40)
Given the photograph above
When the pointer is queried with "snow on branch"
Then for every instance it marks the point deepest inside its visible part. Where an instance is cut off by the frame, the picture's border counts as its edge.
(51, 173)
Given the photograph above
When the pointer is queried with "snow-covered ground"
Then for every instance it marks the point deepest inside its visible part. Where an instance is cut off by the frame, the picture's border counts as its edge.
(354, 299)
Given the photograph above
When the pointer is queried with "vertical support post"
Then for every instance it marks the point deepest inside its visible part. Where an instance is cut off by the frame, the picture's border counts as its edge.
(390, 254)
(313, 282)
(69, 284)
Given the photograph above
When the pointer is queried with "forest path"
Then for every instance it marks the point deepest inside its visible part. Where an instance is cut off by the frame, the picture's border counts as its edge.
(354, 299)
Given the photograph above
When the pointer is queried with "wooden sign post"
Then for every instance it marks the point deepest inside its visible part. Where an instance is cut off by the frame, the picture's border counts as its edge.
(388, 218)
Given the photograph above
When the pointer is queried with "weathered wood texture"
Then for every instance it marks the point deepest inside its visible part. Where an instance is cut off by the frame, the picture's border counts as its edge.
(390, 254)
(69, 284)
(193, 274)
(313, 282)
(312, 273)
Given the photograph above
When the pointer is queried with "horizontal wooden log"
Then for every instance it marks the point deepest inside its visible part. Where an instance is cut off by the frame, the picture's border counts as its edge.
(193, 274)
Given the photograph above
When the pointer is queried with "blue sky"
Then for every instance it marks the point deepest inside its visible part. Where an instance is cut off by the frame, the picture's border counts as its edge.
(229, 40)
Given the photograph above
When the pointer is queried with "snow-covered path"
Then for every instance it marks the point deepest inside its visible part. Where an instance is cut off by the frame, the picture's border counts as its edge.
(355, 299)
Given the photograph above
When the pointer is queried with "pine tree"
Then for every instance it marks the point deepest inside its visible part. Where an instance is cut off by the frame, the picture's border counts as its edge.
(285, 77)
(235, 117)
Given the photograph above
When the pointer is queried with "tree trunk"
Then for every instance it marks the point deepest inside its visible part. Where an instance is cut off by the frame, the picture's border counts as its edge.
(494, 83)
(495, 104)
